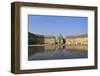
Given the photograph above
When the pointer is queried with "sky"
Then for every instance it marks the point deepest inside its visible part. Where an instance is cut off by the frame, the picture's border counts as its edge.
(56, 25)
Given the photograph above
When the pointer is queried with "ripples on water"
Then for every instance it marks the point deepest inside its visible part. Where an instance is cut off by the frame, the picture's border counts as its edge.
(56, 52)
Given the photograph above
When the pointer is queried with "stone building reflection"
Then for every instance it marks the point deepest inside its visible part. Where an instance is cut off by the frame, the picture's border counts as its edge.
(49, 46)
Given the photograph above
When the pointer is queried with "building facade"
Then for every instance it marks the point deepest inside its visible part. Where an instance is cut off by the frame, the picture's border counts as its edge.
(77, 40)
(50, 39)
(41, 39)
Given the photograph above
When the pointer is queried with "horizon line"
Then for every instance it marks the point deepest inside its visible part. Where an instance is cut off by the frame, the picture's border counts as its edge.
(61, 34)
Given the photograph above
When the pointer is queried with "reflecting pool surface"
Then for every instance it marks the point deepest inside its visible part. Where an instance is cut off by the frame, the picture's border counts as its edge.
(56, 52)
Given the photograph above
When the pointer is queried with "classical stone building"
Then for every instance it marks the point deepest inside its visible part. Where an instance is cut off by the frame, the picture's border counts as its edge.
(77, 40)
(41, 39)
(49, 39)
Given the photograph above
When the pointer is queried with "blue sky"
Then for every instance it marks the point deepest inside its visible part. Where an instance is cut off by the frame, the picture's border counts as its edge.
(56, 25)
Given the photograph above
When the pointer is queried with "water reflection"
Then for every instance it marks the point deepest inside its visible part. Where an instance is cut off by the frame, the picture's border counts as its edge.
(49, 52)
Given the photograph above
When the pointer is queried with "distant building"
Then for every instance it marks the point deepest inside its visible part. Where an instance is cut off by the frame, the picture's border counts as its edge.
(41, 39)
(77, 40)
(49, 39)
